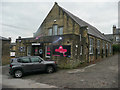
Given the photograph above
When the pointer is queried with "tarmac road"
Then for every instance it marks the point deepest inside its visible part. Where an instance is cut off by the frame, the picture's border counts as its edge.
(103, 74)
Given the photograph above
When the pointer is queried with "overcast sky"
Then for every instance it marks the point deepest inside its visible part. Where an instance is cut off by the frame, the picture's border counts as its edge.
(24, 18)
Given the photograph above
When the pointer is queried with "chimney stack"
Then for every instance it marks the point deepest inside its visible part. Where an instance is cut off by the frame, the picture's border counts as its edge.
(114, 29)
(56, 3)
(19, 37)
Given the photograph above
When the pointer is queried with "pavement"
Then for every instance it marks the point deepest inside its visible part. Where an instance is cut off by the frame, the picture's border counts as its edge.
(21, 83)
(8, 82)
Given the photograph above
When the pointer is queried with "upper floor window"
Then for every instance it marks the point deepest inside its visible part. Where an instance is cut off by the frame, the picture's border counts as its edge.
(91, 46)
(98, 46)
(55, 28)
(60, 31)
(50, 31)
(21, 49)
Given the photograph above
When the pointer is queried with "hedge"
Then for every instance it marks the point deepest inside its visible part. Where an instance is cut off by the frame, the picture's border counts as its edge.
(116, 48)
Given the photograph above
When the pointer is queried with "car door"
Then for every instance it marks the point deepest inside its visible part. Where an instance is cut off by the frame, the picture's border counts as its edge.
(26, 64)
(38, 65)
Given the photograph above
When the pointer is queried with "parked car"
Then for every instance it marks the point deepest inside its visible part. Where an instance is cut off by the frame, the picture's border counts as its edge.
(21, 65)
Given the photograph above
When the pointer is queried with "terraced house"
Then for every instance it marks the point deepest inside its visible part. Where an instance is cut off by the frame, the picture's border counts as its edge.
(67, 39)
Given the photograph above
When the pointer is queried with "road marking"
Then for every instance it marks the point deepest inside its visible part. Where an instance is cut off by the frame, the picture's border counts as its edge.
(82, 80)
(80, 70)
(76, 70)
(90, 66)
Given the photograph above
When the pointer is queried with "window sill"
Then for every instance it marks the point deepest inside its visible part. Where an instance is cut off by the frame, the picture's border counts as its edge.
(91, 53)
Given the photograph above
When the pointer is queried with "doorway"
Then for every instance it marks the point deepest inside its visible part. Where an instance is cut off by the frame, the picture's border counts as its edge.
(37, 50)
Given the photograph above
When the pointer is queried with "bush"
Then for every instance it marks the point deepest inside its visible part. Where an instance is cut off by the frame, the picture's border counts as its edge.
(116, 48)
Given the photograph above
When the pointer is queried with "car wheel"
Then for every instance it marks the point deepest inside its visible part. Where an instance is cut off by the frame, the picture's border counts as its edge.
(50, 69)
(18, 73)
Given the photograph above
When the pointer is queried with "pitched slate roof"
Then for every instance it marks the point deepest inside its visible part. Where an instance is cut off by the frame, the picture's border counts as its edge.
(91, 29)
(109, 36)
(3, 38)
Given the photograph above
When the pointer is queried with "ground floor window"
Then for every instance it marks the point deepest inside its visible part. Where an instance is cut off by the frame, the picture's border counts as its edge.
(81, 50)
(107, 47)
(103, 48)
(12, 54)
(117, 38)
(37, 50)
(48, 52)
(91, 46)
(29, 50)
(110, 48)
(80, 37)
(98, 46)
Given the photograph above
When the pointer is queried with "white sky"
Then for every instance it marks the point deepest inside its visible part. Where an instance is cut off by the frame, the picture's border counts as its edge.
(23, 18)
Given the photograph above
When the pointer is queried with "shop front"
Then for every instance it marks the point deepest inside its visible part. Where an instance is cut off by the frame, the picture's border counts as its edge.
(63, 49)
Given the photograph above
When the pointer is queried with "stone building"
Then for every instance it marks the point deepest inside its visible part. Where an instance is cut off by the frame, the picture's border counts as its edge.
(12, 50)
(5, 50)
(115, 37)
(65, 38)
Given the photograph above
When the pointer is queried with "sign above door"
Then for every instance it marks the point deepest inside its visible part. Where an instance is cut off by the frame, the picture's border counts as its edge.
(36, 44)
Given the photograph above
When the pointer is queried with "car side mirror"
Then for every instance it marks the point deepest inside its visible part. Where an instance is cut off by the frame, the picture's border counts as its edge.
(19, 60)
(40, 61)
